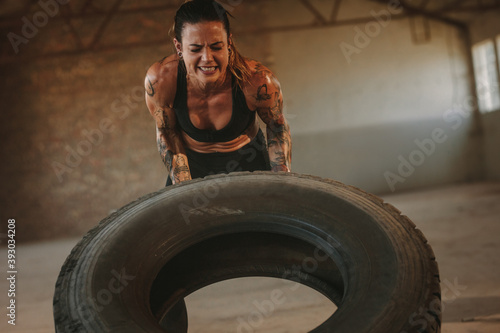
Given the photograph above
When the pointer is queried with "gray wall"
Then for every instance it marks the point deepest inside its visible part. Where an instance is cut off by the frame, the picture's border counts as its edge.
(492, 144)
(357, 119)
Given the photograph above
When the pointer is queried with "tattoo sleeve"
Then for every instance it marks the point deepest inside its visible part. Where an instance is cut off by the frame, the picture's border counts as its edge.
(279, 141)
(180, 170)
(165, 153)
(171, 149)
(279, 145)
(168, 138)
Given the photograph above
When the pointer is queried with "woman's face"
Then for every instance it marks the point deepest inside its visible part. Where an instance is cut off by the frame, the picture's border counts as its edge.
(205, 51)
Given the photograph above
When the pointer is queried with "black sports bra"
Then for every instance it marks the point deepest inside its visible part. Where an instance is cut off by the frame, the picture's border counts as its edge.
(241, 118)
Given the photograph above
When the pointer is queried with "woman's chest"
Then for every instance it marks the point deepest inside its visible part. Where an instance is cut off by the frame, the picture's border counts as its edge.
(212, 112)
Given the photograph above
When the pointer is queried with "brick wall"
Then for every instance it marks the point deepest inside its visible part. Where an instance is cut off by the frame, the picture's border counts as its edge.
(77, 139)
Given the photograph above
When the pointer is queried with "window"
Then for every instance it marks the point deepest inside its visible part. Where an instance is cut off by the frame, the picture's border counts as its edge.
(486, 69)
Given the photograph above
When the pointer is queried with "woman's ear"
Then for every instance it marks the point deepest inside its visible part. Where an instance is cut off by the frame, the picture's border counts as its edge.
(178, 45)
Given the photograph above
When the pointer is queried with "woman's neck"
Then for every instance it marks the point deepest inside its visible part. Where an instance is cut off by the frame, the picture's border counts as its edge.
(223, 83)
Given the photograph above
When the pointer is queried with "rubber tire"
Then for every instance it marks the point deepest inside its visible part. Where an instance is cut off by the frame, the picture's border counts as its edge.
(127, 273)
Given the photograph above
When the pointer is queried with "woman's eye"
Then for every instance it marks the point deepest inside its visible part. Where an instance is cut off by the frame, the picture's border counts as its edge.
(216, 48)
(195, 50)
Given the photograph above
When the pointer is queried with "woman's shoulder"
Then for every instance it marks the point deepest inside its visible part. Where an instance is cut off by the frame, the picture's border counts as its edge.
(161, 80)
(257, 70)
(260, 76)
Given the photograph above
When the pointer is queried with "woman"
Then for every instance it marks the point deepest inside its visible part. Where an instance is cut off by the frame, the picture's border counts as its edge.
(205, 98)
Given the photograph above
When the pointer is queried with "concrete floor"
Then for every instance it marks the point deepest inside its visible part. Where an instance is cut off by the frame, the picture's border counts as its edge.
(462, 223)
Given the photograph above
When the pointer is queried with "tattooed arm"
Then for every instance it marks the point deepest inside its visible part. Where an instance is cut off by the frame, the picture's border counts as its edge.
(169, 140)
(171, 148)
(269, 102)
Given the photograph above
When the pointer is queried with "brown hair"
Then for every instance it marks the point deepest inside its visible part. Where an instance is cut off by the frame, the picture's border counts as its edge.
(196, 11)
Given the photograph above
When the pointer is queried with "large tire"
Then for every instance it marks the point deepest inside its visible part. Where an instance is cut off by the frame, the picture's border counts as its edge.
(137, 264)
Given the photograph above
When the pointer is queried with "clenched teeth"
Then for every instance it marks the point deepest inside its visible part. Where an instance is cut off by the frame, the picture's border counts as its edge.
(208, 69)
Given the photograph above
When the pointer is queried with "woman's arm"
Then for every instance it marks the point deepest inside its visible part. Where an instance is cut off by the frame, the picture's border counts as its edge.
(171, 149)
(169, 140)
(269, 102)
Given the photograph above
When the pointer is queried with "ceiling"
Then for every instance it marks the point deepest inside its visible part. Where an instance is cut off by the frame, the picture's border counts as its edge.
(459, 11)
(320, 13)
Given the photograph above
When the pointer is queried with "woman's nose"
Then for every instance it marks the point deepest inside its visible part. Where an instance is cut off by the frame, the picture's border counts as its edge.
(206, 55)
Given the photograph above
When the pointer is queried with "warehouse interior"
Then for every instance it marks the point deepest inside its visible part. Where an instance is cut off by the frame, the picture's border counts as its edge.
(398, 98)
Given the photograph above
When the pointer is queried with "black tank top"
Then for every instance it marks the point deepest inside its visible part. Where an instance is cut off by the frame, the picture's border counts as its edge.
(242, 117)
